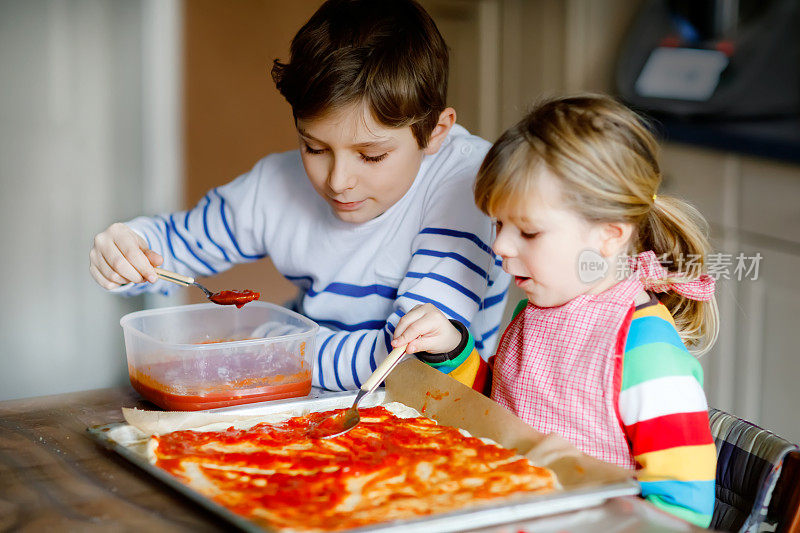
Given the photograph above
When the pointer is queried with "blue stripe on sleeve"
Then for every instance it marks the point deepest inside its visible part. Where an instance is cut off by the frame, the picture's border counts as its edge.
(494, 300)
(353, 360)
(695, 495)
(390, 329)
(319, 360)
(300, 278)
(452, 255)
(442, 307)
(369, 324)
(372, 364)
(347, 289)
(356, 291)
(460, 234)
(446, 369)
(447, 281)
(230, 233)
(479, 343)
(490, 332)
(387, 340)
(297, 278)
(169, 244)
(189, 248)
(208, 232)
(651, 329)
(336, 362)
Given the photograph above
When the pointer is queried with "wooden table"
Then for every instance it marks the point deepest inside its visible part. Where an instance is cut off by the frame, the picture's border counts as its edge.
(53, 477)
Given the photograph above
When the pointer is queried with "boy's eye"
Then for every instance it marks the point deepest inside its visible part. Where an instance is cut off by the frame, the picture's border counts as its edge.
(374, 159)
(312, 150)
(528, 235)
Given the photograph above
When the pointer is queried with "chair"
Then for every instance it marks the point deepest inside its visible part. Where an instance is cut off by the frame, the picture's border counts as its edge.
(758, 477)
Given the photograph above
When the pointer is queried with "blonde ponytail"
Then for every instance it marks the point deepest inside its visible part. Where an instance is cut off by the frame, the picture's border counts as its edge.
(678, 234)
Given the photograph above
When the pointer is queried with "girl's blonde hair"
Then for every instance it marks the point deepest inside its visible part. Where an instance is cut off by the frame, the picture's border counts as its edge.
(606, 161)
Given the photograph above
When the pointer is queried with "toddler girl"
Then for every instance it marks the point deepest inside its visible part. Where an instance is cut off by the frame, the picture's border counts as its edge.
(593, 354)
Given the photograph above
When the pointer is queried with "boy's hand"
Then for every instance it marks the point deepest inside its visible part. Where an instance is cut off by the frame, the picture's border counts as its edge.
(120, 256)
(426, 329)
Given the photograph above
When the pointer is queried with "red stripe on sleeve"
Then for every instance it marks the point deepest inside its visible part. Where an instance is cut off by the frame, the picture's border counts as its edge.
(669, 431)
(480, 378)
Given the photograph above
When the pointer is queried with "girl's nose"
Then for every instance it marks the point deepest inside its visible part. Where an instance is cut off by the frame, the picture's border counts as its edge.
(339, 178)
(502, 245)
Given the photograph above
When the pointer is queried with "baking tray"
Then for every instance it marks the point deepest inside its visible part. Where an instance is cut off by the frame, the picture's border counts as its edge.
(482, 515)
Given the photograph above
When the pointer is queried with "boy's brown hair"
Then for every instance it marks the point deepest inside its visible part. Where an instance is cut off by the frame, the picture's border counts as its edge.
(386, 54)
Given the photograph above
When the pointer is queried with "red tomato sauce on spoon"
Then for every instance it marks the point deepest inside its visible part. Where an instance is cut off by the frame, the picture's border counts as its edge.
(237, 298)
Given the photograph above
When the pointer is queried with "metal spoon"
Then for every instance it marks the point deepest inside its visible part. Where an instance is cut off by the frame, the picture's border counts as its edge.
(343, 421)
(237, 298)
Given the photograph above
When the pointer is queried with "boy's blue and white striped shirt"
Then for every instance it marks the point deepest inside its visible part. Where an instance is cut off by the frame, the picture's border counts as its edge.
(355, 280)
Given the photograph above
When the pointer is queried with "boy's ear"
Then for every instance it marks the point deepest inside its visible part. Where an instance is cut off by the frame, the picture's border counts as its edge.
(614, 238)
(446, 120)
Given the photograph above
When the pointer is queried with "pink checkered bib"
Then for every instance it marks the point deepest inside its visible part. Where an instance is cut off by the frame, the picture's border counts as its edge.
(557, 369)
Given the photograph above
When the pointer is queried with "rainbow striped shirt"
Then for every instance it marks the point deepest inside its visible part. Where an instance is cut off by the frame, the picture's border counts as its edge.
(665, 416)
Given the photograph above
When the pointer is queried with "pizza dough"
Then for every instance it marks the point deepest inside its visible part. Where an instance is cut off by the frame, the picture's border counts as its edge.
(396, 464)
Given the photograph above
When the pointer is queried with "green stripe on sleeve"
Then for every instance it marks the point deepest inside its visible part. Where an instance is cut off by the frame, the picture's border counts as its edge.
(702, 520)
(454, 363)
(658, 360)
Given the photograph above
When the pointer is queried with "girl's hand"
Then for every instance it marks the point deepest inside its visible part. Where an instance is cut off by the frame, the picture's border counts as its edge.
(426, 329)
(120, 256)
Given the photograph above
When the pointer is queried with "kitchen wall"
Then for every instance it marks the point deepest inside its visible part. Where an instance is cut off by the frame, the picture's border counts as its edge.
(233, 115)
(88, 135)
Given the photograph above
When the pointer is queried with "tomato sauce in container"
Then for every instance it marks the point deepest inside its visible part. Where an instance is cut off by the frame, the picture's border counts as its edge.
(206, 356)
(237, 393)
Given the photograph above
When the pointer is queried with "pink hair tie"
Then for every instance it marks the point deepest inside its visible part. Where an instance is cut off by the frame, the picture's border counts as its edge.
(650, 271)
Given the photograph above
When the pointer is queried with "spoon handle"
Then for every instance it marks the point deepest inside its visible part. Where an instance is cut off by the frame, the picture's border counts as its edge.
(174, 277)
(383, 369)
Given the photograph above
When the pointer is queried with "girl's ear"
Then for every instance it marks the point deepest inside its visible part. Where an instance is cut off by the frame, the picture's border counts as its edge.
(446, 120)
(614, 238)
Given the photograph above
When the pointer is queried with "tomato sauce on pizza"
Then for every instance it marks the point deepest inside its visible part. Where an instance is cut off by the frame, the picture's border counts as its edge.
(386, 468)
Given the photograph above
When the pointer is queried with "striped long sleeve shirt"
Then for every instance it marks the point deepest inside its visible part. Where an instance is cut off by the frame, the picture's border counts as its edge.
(665, 417)
(354, 280)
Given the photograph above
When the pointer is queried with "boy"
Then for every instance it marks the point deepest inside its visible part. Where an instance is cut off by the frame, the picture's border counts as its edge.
(371, 217)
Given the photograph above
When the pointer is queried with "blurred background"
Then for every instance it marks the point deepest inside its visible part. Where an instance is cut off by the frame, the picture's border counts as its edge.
(114, 108)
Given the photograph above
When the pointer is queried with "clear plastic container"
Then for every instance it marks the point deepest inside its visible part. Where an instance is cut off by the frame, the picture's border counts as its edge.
(206, 356)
